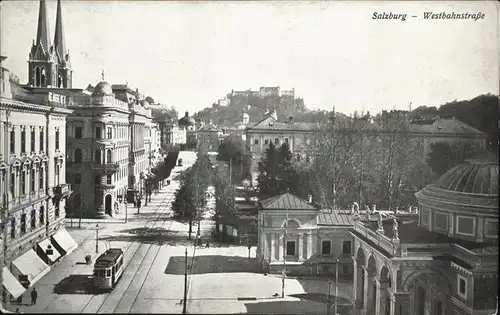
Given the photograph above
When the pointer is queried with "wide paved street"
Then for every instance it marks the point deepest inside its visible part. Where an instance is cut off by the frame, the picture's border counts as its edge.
(222, 278)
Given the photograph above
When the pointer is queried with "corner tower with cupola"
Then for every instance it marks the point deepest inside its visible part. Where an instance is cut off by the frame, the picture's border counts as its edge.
(49, 65)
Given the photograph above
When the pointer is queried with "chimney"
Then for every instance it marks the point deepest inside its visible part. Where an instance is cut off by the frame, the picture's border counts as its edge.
(310, 198)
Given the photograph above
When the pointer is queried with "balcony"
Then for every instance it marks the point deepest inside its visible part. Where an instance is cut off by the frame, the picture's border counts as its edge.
(389, 245)
(62, 190)
(106, 167)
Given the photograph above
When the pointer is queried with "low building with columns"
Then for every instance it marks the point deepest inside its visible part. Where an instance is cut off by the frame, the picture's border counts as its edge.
(309, 243)
(444, 260)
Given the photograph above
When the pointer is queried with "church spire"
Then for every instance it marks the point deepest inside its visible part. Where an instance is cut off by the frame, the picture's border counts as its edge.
(59, 43)
(42, 34)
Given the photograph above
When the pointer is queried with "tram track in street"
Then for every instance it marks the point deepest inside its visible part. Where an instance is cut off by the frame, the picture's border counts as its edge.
(160, 215)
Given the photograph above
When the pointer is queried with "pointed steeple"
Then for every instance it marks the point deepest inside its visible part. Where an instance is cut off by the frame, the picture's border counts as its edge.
(42, 34)
(59, 42)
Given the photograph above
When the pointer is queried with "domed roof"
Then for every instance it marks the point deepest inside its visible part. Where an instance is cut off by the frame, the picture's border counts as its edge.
(477, 176)
(102, 88)
(187, 120)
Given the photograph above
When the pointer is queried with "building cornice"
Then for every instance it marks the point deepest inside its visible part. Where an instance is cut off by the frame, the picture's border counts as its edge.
(34, 108)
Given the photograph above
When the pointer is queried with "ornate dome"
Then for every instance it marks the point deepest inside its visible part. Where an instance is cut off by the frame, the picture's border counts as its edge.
(102, 88)
(477, 176)
(463, 199)
(187, 121)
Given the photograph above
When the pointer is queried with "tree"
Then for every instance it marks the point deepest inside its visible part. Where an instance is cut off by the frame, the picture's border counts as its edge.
(224, 194)
(184, 206)
(277, 174)
(443, 155)
(232, 147)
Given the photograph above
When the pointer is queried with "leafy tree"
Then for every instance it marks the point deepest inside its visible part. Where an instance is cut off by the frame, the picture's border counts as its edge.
(184, 205)
(276, 173)
(443, 155)
(224, 194)
(232, 147)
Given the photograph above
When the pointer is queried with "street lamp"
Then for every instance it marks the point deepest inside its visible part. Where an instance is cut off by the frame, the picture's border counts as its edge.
(97, 238)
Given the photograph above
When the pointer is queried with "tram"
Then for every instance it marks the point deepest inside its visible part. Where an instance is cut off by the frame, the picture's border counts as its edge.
(108, 269)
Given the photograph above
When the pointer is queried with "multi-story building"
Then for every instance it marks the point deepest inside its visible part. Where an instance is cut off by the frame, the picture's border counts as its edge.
(301, 137)
(173, 134)
(98, 151)
(189, 124)
(208, 137)
(33, 185)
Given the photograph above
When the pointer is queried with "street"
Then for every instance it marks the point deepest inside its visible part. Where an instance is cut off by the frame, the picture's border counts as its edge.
(222, 278)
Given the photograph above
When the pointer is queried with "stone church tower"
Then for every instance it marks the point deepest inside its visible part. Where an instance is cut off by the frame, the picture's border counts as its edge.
(49, 65)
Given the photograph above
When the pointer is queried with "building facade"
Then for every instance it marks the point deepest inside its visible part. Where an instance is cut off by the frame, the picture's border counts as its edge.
(208, 137)
(98, 157)
(445, 261)
(308, 241)
(302, 137)
(33, 188)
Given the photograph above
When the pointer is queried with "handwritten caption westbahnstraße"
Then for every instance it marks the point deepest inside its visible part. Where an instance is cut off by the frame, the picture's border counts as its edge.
(429, 16)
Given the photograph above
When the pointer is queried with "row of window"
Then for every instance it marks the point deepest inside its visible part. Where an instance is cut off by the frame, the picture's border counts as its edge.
(268, 141)
(33, 220)
(21, 180)
(326, 247)
(41, 139)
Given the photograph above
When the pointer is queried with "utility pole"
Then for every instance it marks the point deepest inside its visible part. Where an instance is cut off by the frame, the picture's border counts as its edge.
(336, 286)
(185, 281)
(230, 170)
(97, 238)
(328, 300)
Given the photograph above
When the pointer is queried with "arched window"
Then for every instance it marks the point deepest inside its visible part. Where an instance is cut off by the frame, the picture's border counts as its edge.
(37, 76)
(108, 156)
(97, 156)
(43, 78)
(78, 156)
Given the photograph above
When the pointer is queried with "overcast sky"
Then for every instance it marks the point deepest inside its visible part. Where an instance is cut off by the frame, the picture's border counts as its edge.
(190, 54)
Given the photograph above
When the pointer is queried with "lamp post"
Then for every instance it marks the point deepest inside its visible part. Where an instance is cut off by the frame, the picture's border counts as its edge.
(336, 286)
(97, 238)
(328, 300)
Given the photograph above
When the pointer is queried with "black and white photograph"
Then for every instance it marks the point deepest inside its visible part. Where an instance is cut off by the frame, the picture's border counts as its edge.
(249, 157)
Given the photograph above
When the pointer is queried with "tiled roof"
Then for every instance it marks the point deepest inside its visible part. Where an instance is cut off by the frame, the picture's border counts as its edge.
(209, 127)
(336, 218)
(277, 125)
(445, 126)
(438, 126)
(286, 201)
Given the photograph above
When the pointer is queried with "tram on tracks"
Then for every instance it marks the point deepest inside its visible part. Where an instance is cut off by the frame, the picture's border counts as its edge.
(108, 269)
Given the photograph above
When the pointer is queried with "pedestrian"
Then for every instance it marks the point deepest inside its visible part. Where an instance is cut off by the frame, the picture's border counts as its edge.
(208, 244)
(18, 311)
(34, 296)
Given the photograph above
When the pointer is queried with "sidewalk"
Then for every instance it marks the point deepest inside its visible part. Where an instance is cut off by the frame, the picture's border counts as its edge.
(130, 215)
(72, 266)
